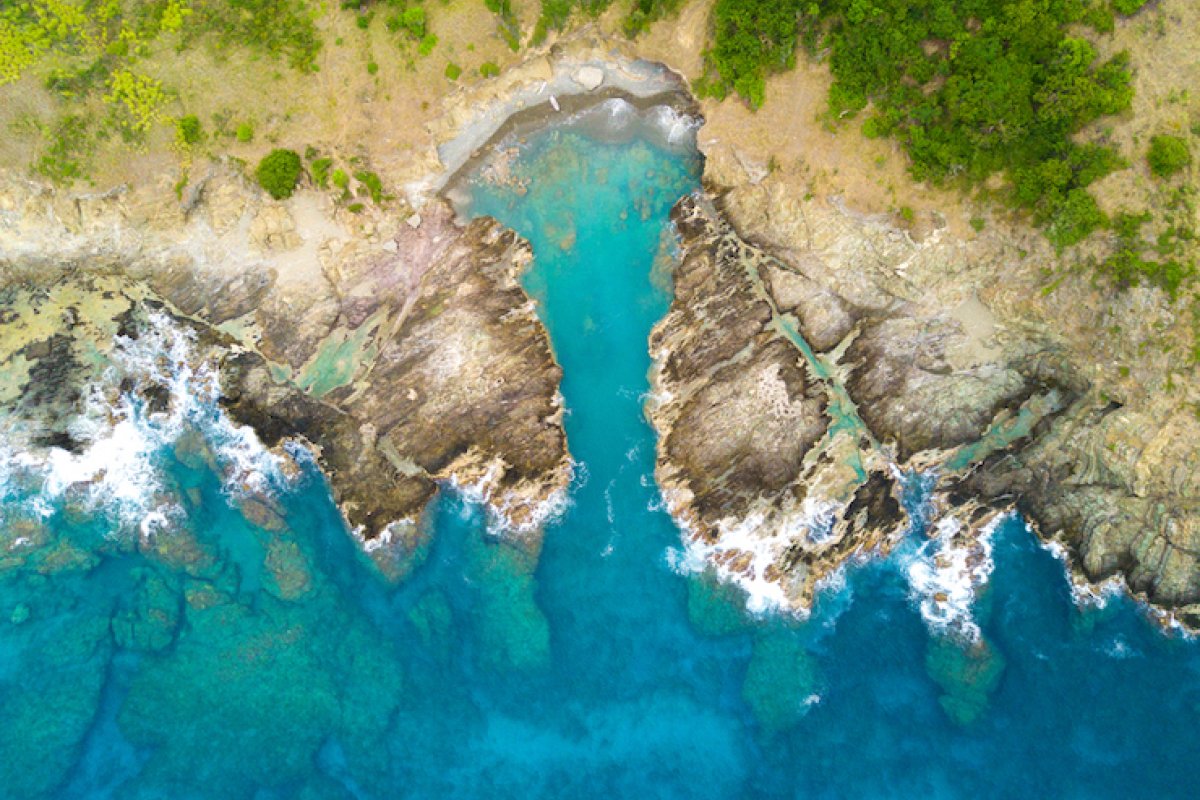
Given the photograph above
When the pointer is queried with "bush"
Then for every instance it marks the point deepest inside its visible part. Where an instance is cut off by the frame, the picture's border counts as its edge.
(188, 131)
(373, 183)
(1168, 155)
(1129, 264)
(555, 14)
(970, 88)
(645, 12)
(320, 171)
(1128, 7)
(750, 39)
(453, 71)
(279, 172)
(510, 28)
(489, 69)
(245, 132)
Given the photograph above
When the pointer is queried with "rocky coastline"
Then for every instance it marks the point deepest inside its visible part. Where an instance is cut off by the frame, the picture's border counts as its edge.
(812, 357)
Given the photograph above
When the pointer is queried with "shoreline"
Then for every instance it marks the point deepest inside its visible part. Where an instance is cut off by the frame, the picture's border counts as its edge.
(653, 85)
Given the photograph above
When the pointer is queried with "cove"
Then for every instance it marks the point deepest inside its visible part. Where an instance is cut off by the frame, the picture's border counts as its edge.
(261, 655)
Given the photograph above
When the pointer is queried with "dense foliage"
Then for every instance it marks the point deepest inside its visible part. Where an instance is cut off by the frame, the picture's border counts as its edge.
(970, 87)
(751, 38)
(279, 172)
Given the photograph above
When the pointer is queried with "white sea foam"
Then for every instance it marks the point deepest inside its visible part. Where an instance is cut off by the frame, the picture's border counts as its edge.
(678, 128)
(1085, 595)
(117, 466)
(504, 511)
(757, 543)
(946, 574)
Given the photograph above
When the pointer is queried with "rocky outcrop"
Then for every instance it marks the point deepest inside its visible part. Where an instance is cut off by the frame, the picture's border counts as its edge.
(880, 330)
(787, 410)
(404, 354)
(1118, 489)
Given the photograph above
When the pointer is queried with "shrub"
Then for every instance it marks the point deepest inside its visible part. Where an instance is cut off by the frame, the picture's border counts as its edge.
(245, 132)
(642, 13)
(373, 183)
(137, 101)
(489, 69)
(340, 179)
(188, 131)
(372, 68)
(1128, 7)
(555, 14)
(1129, 264)
(1168, 155)
(510, 28)
(413, 21)
(453, 71)
(279, 172)
(320, 171)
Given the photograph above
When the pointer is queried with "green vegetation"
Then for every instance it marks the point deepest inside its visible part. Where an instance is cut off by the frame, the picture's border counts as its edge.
(643, 13)
(137, 102)
(750, 38)
(373, 183)
(320, 171)
(489, 69)
(372, 68)
(971, 88)
(188, 131)
(69, 150)
(510, 27)
(280, 28)
(1168, 155)
(1135, 261)
(555, 14)
(279, 172)
(453, 71)
(245, 132)
(1128, 7)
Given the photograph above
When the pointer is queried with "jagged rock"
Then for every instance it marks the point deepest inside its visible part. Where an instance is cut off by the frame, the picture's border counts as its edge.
(403, 366)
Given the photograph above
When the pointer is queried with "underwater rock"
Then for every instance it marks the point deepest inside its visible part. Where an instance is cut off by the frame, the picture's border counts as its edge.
(513, 632)
(49, 705)
(782, 681)
(148, 618)
(716, 608)
(968, 673)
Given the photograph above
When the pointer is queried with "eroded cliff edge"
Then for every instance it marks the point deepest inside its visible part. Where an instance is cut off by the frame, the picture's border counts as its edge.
(405, 353)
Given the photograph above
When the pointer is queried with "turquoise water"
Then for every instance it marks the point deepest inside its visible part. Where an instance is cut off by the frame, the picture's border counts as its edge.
(254, 653)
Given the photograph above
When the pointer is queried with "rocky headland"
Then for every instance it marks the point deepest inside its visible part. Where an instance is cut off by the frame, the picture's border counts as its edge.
(403, 357)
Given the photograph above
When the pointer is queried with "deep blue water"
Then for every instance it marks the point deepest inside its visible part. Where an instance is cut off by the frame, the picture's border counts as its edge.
(268, 659)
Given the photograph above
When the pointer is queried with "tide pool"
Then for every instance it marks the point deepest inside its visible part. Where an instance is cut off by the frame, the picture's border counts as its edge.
(254, 652)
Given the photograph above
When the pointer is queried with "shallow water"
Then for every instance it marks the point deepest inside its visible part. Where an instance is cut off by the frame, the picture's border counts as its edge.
(254, 653)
